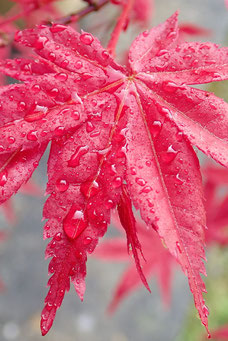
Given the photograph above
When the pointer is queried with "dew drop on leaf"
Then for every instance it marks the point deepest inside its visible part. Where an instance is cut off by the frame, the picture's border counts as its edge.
(32, 135)
(105, 54)
(36, 88)
(58, 236)
(178, 247)
(156, 128)
(86, 38)
(3, 178)
(133, 171)
(57, 28)
(75, 115)
(109, 204)
(53, 92)
(117, 182)
(75, 158)
(11, 139)
(74, 223)
(78, 65)
(89, 188)
(146, 189)
(89, 127)
(61, 76)
(40, 42)
(170, 86)
(87, 240)
(52, 56)
(21, 106)
(169, 156)
(140, 182)
(62, 185)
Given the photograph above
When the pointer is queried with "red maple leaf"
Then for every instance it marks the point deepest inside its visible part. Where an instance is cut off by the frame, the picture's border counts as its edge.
(216, 205)
(109, 125)
(142, 9)
(220, 333)
(158, 261)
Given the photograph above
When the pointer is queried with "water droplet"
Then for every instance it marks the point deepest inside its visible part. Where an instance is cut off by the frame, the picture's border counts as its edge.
(165, 111)
(205, 310)
(36, 88)
(52, 56)
(56, 28)
(161, 52)
(78, 65)
(40, 42)
(146, 189)
(21, 106)
(78, 255)
(11, 139)
(75, 115)
(109, 204)
(148, 163)
(89, 188)
(216, 76)
(49, 306)
(58, 236)
(61, 76)
(32, 135)
(117, 182)
(53, 92)
(105, 54)
(59, 131)
(171, 35)
(156, 128)
(64, 63)
(75, 158)
(87, 240)
(179, 136)
(170, 155)
(62, 185)
(86, 38)
(179, 180)
(178, 247)
(89, 127)
(95, 133)
(38, 113)
(145, 33)
(140, 182)
(170, 86)
(74, 223)
(133, 171)
(3, 177)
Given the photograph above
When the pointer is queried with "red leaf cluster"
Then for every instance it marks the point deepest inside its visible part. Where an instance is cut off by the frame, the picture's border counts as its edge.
(118, 135)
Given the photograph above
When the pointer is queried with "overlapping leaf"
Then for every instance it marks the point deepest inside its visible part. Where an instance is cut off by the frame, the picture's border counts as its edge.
(110, 126)
(158, 262)
(216, 205)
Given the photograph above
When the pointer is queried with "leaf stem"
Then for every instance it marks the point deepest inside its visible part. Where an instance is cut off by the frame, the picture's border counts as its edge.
(92, 6)
(17, 16)
(119, 27)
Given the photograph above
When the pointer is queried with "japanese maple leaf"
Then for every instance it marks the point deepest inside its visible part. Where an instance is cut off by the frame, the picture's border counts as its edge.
(216, 205)
(158, 262)
(220, 333)
(142, 9)
(32, 11)
(109, 126)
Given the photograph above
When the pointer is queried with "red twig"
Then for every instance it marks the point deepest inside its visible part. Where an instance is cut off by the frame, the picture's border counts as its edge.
(119, 26)
(17, 16)
(79, 15)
